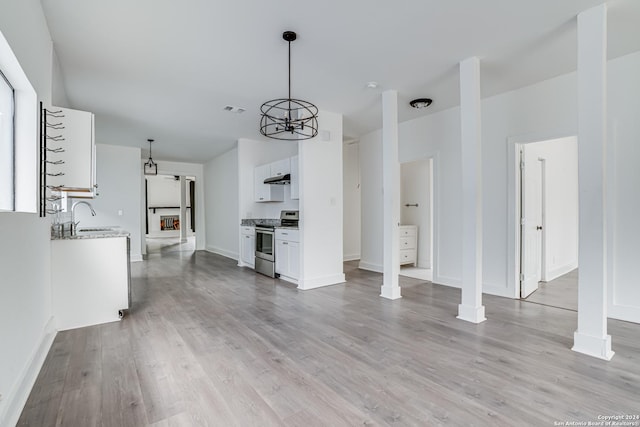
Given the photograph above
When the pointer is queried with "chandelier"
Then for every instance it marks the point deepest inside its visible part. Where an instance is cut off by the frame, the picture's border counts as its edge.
(287, 118)
(150, 167)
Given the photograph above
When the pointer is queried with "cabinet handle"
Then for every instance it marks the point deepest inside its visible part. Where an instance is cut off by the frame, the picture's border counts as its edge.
(285, 243)
(261, 198)
(285, 234)
(279, 173)
(246, 237)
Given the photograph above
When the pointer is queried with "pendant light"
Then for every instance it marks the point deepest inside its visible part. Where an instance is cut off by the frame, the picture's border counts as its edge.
(287, 118)
(151, 167)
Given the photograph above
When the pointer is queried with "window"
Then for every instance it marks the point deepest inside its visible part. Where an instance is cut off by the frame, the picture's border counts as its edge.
(7, 124)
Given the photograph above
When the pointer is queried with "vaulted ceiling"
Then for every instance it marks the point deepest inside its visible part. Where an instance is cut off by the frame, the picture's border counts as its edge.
(165, 69)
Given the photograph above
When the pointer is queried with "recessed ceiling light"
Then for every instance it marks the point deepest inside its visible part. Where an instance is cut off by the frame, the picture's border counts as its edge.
(421, 102)
(372, 85)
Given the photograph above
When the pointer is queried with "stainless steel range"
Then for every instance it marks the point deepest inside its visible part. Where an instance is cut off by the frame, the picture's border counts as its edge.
(265, 261)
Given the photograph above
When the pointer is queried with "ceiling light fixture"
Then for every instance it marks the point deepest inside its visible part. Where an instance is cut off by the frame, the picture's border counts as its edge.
(287, 118)
(372, 85)
(421, 103)
(151, 167)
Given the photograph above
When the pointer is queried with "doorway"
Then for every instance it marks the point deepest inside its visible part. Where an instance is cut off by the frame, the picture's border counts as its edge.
(170, 213)
(547, 214)
(416, 219)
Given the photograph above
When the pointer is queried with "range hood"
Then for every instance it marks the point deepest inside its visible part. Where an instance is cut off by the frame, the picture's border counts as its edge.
(279, 180)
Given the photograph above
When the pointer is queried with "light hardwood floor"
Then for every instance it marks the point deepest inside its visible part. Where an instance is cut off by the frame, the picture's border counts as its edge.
(208, 343)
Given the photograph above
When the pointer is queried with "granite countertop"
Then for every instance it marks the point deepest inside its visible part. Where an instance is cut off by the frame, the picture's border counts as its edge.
(252, 222)
(92, 233)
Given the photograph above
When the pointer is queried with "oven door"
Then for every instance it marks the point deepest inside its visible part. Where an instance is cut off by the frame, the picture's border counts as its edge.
(265, 244)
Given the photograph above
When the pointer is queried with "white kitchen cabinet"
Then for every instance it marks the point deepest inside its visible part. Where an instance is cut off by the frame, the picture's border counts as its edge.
(295, 179)
(77, 175)
(266, 192)
(89, 280)
(280, 167)
(288, 254)
(248, 246)
(409, 244)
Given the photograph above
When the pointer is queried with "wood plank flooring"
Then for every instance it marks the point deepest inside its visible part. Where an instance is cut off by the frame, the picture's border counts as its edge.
(561, 292)
(208, 343)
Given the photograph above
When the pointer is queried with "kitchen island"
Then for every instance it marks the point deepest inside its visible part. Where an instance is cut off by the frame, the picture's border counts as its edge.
(90, 277)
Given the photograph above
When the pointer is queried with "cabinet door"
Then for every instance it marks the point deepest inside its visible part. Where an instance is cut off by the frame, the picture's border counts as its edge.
(261, 190)
(282, 257)
(281, 167)
(77, 141)
(294, 260)
(295, 179)
(248, 249)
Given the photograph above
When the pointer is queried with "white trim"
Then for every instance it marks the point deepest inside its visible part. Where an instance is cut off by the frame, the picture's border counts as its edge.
(288, 279)
(136, 258)
(225, 253)
(390, 292)
(376, 268)
(351, 257)
(624, 312)
(18, 395)
(561, 271)
(593, 346)
(471, 314)
(452, 282)
(318, 282)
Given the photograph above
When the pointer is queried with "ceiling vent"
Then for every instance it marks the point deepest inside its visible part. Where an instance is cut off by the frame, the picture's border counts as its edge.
(232, 109)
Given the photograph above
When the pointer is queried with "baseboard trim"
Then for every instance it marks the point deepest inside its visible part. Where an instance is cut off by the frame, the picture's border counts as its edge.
(376, 268)
(318, 282)
(352, 257)
(136, 258)
(560, 271)
(623, 312)
(19, 394)
(446, 281)
(223, 252)
(593, 346)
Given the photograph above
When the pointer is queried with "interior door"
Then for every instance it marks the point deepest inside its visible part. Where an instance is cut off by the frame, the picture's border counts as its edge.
(531, 222)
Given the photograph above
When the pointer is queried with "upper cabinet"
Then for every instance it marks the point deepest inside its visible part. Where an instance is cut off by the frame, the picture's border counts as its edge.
(280, 168)
(75, 172)
(265, 192)
(295, 179)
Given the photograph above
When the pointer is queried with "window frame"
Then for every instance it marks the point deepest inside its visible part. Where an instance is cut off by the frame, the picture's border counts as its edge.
(13, 143)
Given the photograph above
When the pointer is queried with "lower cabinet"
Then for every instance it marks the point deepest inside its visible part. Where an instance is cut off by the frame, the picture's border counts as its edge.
(248, 246)
(89, 281)
(288, 254)
(409, 245)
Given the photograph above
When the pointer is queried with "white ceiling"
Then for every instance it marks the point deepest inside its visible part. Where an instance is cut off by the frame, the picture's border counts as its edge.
(165, 69)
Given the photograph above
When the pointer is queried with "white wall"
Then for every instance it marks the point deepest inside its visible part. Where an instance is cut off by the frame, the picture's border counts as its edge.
(26, 327)
(351, 203)
(117, 173)
(560, 245)
(221, 198)
(547, 108)
(321, 202)
(415, 188)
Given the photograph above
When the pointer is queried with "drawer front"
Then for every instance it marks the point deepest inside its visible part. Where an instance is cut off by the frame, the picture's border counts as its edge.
(407, 256)
(408, 231)
(249, 231)
(407, 242)
(288, 234)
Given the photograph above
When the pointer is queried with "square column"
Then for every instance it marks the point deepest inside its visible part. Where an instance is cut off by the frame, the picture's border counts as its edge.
(591, 337)
(391, 196)
(471, 308)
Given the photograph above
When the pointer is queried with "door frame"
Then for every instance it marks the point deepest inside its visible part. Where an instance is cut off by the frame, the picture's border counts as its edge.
(513, 204)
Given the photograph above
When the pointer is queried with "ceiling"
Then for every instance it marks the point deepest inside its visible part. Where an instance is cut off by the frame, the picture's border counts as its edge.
(165, 69)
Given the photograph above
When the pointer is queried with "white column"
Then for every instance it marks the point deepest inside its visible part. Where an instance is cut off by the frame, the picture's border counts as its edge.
(471, 308)
(591, 337)
(390, 196)
(183, 209)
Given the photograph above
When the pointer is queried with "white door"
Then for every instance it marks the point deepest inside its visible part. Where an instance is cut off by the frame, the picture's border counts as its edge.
(531, 223)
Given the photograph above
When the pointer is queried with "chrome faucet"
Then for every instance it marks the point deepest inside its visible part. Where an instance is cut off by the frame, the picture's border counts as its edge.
(74, 224)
